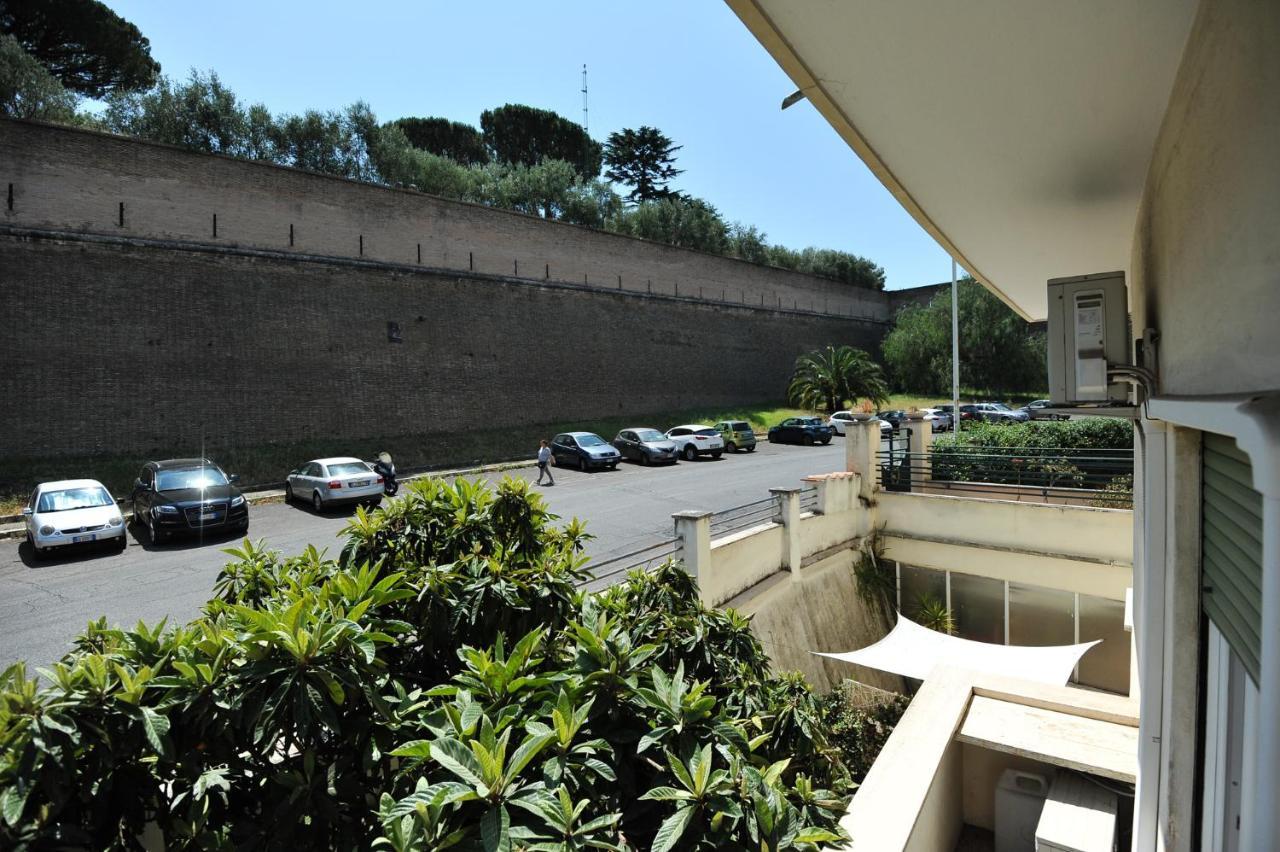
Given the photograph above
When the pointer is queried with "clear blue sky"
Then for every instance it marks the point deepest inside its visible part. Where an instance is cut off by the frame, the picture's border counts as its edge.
(689, 68)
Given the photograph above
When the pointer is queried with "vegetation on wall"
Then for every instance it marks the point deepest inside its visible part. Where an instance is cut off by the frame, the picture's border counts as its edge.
(442, 683)
(861, 719)
(835, 375)
(521, 158)
(999, 351)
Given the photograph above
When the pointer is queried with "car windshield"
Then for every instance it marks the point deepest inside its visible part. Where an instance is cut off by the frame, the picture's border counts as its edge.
(740, 426)
(191, 477)
(650, 435)
(811, 421)
(707, 432)
(999, 406)
(346, 468)
(590, 440)
(74, 498)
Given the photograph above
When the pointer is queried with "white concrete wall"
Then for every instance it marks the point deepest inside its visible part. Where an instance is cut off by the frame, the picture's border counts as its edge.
(1205, 273)
(818, 610)
(741, 560)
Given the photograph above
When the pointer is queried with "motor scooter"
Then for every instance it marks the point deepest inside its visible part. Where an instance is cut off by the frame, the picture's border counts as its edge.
(386, 468)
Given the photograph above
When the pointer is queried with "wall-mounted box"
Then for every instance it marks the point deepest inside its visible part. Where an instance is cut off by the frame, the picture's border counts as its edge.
(1088, 333)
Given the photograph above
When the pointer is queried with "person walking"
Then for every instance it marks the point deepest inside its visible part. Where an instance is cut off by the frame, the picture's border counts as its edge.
(544, 463)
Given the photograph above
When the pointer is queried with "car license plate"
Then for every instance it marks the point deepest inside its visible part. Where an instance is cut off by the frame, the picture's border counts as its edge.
(79, 538)
(208, 516)
(359, 483)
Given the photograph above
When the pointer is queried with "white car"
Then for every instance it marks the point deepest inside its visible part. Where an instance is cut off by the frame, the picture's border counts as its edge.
(939, 420)
(326, 482)
(696, 439)
(840, 421)
(72, 511)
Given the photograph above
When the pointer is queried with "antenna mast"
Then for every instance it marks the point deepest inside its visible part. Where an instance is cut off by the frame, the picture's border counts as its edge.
(584, 96)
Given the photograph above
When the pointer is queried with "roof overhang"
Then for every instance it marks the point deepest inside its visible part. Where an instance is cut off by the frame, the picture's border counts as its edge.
(1018, 133)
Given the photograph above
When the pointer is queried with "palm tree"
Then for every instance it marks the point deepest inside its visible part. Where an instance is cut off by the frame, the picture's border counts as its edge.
(833, 375)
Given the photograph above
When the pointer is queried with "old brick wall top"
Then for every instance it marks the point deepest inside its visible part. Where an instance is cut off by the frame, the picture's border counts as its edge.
(77, 180)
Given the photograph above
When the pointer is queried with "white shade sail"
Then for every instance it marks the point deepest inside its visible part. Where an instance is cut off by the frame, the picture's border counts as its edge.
(914, 651)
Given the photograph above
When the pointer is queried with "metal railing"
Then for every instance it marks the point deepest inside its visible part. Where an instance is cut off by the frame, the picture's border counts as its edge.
(1100, 477)
(809, 499)
(643, 557)
(747, 515)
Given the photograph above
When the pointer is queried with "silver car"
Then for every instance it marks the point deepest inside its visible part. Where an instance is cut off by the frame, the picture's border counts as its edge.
(327, 482)
(645, 445)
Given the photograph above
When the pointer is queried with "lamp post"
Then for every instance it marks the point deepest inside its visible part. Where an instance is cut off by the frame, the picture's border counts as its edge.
(955, 352)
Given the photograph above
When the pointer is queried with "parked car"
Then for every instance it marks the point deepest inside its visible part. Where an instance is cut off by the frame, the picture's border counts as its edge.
(894, 418)
(72, 511)
(966, 413)
(737, 435)
(583, 450)
(335, 481)
(1037, 410)
(801, 430)
(998, 412)
(839, 423)
(939, 420)
(694, 439)
(645, 445)
(187, 496)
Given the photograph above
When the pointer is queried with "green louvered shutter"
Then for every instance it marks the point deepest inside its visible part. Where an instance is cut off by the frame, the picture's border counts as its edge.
(1231, 541)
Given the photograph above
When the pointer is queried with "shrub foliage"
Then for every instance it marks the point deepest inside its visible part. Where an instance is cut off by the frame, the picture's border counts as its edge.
(1044, 453)
(443, 683)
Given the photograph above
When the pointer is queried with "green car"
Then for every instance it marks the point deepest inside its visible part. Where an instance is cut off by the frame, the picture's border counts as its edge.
(737, 435)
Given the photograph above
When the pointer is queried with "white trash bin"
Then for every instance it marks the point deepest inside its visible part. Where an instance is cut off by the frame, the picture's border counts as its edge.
(1019, 799)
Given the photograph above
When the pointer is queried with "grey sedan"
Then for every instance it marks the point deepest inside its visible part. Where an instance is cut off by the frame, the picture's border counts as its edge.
(645, 445)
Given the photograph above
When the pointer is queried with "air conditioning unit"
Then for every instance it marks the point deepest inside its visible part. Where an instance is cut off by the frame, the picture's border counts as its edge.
(1088, 335)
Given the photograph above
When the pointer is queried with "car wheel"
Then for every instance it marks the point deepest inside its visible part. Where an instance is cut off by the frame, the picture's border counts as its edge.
(751, 449)
(717, 454)
(689, 452)
(123, 542)
(826, 441)
(582, 464)
(157, 536)
(613, 466)
(317, 502)
(731, 447)
(808, 440)
(644, 459)
(288, 492)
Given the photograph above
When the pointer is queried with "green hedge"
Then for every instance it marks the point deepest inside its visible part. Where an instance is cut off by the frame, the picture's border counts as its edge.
(442, 683)
(1088, 433)
(1082, 453)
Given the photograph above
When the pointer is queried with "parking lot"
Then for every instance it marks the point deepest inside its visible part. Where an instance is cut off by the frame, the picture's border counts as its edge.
(43, 604)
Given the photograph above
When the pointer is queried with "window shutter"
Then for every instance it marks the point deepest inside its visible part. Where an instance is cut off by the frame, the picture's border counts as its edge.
(1231, 542)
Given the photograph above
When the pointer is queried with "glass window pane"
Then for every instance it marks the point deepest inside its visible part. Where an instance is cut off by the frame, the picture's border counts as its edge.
(920, 583)
(978, 606)
(1105, 666)
(1041, 616)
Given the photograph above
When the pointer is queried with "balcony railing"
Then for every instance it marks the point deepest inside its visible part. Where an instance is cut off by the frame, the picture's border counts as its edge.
(1098, 477)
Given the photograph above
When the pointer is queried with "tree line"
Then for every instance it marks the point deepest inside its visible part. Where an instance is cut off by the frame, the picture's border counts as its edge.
(55, 53)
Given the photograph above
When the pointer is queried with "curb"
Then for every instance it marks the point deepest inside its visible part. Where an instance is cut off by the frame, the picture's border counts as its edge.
(13, 526)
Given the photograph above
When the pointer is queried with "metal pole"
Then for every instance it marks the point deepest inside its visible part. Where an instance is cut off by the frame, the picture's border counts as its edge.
(955, 352)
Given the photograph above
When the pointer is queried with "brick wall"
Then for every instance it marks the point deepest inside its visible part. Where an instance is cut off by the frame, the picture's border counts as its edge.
(83, 181)
(113, 347)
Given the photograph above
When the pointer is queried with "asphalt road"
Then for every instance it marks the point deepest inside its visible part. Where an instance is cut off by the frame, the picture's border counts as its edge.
(44, 604)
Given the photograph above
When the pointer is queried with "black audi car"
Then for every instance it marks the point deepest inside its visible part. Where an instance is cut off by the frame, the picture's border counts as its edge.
(801, 430)
(188, 496)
